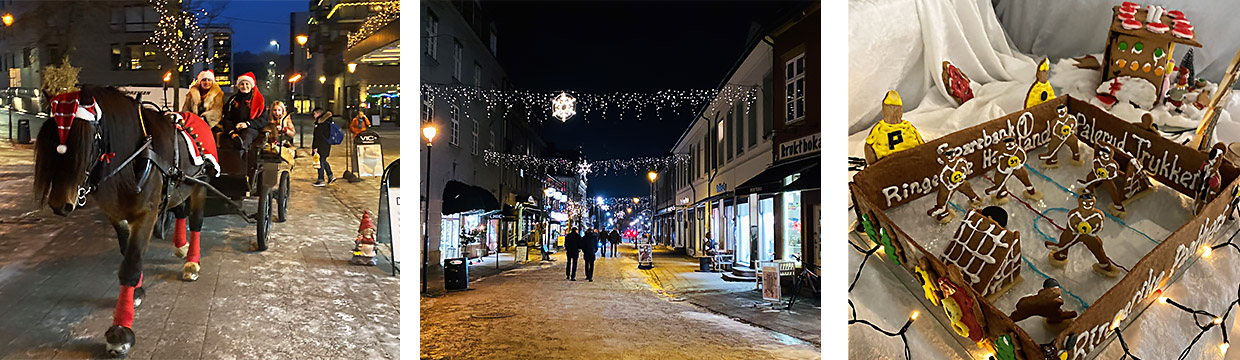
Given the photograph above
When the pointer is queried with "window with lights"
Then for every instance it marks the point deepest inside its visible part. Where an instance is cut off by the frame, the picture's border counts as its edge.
(794, 89)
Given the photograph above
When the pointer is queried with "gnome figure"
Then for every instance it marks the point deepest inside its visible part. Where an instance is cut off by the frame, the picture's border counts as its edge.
(953, 177)
(1084, 224)
(1210, 184)
(1047, 303)
(1011, 162)
(364, 250)
(1063, 132)
(1106, 173)
(1041, 90)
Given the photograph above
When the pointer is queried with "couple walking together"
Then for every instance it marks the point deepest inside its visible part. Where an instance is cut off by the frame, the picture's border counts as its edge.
(588, 245)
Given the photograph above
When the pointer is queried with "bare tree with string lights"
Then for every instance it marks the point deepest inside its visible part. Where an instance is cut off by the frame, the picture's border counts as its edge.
(179, 37)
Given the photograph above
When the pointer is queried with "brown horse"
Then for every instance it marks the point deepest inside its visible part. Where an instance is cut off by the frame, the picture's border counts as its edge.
(132, 163)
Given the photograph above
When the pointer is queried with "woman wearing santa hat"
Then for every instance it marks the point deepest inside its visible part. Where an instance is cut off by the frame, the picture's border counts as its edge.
(243, 112)
(205, 98)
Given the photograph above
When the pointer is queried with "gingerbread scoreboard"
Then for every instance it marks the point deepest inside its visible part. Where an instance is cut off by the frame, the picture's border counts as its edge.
(903, 177)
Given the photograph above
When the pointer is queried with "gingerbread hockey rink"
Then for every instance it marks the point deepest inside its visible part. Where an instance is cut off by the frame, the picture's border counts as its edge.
(1152, 241)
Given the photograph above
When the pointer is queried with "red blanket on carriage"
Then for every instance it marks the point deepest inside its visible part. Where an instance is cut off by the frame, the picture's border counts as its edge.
(198, 137)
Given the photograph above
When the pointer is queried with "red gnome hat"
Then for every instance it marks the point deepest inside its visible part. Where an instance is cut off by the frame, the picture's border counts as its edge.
(255, 110)
(366, 223)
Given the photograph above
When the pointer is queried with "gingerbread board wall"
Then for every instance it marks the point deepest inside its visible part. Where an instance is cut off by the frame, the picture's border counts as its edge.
(903, 177)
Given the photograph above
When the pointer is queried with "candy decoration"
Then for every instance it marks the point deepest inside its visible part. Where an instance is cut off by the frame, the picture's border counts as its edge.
(1102, 173)
(1176, 14)
(1126, 16)
(1131, 24)
(1084, 227)
(957, 177)
(1182, 33)
(927, 285)
(1065, 130)
(1013, 161)
(1157, 28)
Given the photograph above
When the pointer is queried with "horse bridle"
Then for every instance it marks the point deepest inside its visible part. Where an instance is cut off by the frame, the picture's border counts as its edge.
(100, 156)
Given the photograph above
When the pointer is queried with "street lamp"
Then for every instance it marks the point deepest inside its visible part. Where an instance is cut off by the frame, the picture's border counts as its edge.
(352, 68)
(301, 39)
(429, 133)
(8, 21)
(167, 78)
(652, 175)
(277, 45)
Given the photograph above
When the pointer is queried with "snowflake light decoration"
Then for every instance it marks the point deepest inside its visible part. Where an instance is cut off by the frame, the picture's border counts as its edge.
(583, 168)
(562, 107)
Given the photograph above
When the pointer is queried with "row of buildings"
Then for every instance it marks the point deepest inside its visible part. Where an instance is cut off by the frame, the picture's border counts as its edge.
(752, 181)
(112, 52)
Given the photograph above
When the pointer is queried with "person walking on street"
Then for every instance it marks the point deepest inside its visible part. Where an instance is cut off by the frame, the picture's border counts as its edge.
(572, 243)
(615, 242)
(321, 147)
(592, 245)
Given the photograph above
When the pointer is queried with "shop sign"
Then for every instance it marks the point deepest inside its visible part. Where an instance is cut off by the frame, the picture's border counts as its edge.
(799, 147)
(770, 282)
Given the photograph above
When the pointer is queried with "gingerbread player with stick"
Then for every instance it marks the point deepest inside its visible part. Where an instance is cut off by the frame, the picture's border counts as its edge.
(1106, 173)
(1063, 130)
(1209, 181)
(1011, 162)
(1084, 224)
(952, 177)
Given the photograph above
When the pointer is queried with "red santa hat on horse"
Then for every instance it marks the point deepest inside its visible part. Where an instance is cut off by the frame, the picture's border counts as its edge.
(68, 106)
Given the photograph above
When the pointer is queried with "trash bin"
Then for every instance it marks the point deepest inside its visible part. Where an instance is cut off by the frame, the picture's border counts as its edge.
(704, 262)
(23, 131)
(456, 274)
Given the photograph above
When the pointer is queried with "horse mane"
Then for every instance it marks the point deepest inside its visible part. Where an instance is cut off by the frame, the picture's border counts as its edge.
(122, 135)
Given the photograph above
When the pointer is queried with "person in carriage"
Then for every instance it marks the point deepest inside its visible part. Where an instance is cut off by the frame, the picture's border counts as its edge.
(281, 123)
(205, 99)
(243, 114)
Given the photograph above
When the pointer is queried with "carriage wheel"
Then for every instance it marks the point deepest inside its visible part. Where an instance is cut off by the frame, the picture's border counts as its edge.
(264, 217)
(282, 197)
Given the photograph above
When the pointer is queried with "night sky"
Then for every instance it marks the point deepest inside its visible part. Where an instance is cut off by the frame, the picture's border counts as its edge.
(256, 22)
(600, 47)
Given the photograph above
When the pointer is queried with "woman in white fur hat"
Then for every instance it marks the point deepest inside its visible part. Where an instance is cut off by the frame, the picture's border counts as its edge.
(205, 98)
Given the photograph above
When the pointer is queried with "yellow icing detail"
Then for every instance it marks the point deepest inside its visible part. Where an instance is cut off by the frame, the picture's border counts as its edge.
(957, 177)
(954, 314)
(1121, 62)
(893, 98)
(1135, 66)
(927, 285)
(1013, 161)
(1146, 68)
(1158, 71)
(1065, 130)
(1084, 227)
(881, 136)
(1101, 172)
(1045, 65)
(1035, 94)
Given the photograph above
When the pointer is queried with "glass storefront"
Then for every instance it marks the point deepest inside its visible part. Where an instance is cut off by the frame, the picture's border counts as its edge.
(766, 230)
(792, 225)
(742, 235)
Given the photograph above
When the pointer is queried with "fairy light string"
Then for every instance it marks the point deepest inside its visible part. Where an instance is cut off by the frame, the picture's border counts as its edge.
(629, 105)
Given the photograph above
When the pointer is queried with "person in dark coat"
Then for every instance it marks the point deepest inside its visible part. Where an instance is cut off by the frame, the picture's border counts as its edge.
(320, 145)
(243, 113)
(590, 246)
(615, 242)
(572, 243)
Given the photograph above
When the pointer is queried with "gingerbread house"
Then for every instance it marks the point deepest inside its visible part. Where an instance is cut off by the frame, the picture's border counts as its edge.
(1140, 43)
(988, 255)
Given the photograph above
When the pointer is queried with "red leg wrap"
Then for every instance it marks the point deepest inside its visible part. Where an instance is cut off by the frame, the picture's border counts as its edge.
(139, 280)
(193, 255)
(123, 315)
(178, 235)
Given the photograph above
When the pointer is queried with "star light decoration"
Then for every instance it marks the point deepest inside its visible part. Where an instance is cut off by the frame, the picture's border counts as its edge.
(562, 107)
(629, 104)
(178, 34)
(635, 166)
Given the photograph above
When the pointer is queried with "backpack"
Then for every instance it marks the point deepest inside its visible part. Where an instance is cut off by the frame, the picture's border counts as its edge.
(336, 137)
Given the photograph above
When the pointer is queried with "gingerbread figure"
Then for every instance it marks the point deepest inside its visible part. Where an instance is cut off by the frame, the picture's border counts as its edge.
(891, 134)
(1084, 224)
(1041, 90)
(1210, 180)
(1011, 162)
(1047, 303)
(1105, 173)
(1063, 131)
(953, 177)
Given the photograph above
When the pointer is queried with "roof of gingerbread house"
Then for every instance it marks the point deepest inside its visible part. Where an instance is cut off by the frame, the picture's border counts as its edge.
(981, 239)
(1138, 14)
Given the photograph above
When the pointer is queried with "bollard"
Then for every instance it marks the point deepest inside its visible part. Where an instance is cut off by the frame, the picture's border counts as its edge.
(23, 131)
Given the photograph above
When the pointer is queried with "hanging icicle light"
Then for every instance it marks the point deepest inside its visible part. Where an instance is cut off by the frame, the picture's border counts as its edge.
(562, 107)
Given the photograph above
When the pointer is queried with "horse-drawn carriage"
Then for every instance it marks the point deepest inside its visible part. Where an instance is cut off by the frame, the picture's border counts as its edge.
(137, 163)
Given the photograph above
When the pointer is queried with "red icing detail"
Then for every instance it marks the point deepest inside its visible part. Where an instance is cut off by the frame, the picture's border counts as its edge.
(1107, 99)
(1183, 33)
(1183, 25)
(1157, 28)
(123, 315)
(1126, 16)
(178, 234)
(966, 307)
(1128, 11)
(959, 86)
(1214, 182)
(193, 255)
(1130, 24)
(1130, 4)
(1176, 14)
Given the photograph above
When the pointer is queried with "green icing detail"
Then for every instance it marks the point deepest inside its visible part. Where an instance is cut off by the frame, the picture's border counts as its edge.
(1158, 52)
(1139, 47)
(880, 237)
(1004, 348)
(1123, 45)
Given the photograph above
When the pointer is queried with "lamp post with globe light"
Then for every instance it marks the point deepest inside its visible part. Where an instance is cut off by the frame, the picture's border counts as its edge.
(429, 132)
(652, 175)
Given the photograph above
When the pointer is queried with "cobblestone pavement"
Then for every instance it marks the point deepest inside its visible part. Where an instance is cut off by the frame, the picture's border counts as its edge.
(299, 299)
(626, 313)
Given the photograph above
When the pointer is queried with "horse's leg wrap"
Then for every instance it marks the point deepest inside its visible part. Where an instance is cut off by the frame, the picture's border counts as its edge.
(194, 253)
(178, 234)
(123, 316)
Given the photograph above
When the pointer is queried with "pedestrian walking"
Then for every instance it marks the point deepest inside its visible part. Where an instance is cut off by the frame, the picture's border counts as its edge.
(572, 243)
(243, 113)
(205, 99)
(615, 242)
(591, 245)
(321, 147)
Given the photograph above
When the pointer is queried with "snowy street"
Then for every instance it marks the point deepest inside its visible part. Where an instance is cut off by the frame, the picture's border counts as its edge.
(298, 299)
(626, 313)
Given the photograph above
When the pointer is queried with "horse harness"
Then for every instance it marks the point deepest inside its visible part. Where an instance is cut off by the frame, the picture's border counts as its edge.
(146, 153)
